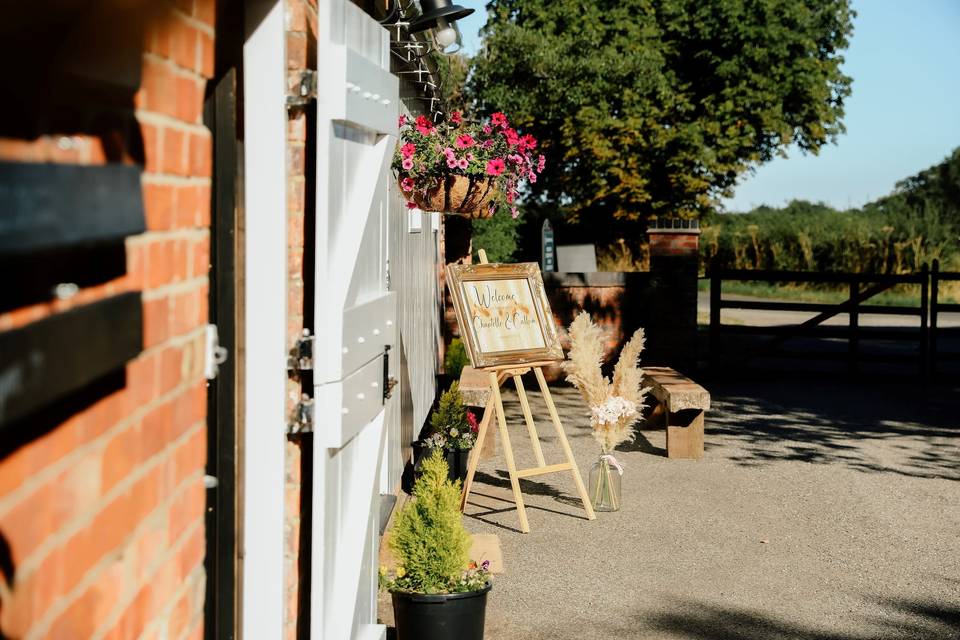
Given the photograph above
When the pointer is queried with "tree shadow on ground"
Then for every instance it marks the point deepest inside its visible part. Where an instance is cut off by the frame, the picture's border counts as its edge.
(908, 430)
(696, 620)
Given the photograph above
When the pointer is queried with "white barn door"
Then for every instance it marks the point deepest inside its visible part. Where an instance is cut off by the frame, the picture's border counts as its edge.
(355, 316)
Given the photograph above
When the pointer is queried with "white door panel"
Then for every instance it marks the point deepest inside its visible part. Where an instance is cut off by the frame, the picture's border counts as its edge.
(355, 316)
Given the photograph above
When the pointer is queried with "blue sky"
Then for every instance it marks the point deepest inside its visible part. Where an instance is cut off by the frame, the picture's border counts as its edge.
(903, 114)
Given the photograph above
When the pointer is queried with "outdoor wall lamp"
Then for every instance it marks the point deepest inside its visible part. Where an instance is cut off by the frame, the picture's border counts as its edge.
(441, 16)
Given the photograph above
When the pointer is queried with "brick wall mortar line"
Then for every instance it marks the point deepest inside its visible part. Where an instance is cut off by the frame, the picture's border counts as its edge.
(182, 72)
(194, 22)
(149, 237)
(13, 498)
(163, 616)
(179, 340)
(66, 532)
(90, 578)
(168, 179)
(173, 288)
(198, 614)
(168, 121)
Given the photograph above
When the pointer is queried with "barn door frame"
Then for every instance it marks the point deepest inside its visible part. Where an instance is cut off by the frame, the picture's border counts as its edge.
(264, 321)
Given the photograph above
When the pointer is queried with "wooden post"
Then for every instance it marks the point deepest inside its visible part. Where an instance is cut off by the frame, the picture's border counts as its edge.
(934, 301)
(715, 302)
(853, 340)
(924, 335)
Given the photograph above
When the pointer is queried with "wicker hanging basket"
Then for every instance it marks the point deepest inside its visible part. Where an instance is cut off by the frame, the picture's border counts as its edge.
(457, 195)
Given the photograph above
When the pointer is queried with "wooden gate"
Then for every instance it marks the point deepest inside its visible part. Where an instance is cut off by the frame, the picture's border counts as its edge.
(355, 316)
(769, 341)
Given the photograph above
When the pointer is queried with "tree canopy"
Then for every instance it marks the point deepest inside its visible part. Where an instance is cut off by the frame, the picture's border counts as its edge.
(655, 107)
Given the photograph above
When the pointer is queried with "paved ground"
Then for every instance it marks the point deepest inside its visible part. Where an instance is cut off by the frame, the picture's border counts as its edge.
(818, 513)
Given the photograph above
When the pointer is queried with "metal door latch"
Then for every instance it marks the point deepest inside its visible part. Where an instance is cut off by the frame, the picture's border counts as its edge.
(305, 92)
(302, 419)
(214, 354)
(301, 355)
(389, 382)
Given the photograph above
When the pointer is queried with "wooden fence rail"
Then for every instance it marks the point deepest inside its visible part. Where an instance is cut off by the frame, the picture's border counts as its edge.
(862, 287)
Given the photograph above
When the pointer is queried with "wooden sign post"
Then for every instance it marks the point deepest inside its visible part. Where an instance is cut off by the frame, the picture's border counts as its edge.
(508, 330)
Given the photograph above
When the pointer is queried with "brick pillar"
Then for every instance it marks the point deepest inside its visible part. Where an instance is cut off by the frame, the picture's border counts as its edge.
(674, 263)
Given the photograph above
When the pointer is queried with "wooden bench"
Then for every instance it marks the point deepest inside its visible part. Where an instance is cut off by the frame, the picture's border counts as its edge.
(682, 403)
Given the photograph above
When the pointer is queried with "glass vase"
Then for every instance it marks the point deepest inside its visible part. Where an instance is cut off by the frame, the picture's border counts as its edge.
(604, 485)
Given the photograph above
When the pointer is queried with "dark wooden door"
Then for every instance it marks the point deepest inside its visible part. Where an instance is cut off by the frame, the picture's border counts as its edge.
(220, 115)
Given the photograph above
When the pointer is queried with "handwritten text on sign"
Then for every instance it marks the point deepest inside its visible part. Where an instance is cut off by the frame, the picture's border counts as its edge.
(504, 315)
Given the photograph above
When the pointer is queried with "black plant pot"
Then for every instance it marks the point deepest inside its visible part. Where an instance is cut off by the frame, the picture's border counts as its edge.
(449, 616)
(457, 463)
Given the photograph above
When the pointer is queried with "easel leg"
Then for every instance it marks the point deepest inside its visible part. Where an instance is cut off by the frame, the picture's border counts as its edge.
(582, 490)
(531, 427)
(474, 458)
(508, 453)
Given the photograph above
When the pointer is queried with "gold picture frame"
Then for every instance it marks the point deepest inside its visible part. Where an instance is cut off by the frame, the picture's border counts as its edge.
(504, 314)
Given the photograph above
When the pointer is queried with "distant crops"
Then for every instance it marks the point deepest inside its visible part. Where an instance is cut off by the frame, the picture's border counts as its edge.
(893, 238)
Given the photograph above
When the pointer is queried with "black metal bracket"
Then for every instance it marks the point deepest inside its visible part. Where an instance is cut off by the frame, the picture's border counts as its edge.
(306, 90)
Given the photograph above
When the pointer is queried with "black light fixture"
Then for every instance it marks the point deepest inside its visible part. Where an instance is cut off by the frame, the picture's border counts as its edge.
(440, 15)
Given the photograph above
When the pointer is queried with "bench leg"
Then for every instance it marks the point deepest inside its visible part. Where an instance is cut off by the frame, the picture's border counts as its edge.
(685, 434)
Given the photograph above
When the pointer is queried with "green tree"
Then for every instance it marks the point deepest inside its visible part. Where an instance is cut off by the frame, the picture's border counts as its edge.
(655, 107)
(497, 236)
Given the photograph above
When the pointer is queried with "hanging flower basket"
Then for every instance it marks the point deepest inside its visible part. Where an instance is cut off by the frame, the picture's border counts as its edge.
(457, 195)
(471, 170)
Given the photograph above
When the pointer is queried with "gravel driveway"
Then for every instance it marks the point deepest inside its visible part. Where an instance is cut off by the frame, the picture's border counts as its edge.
(818, 513)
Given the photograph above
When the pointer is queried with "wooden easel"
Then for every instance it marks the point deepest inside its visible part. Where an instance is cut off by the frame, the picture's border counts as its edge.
(497, 376)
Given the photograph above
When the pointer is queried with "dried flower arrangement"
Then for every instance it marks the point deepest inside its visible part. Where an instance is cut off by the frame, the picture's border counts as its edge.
(615, 405)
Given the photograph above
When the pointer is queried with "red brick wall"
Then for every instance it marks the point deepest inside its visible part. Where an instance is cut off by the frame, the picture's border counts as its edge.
(301, 26)
(104, 513)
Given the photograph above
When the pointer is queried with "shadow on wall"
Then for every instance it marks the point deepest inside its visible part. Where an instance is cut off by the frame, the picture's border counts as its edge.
(7, 573)
(894, 428)
(899, 619)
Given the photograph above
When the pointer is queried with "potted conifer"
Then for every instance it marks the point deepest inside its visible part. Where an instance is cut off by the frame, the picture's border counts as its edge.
(437, 594)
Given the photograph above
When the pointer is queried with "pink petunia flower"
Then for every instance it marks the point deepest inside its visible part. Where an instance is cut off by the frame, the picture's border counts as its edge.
(424, 126)
(495, 167)
(449, 153)
(456, 117)
(411, 205)
(487, 129)
(463, 163)
(528, 142)
(407, 184)
(487, 144)
(541, 163)
(402, 120)
(465, 141)
(499, 120)
(452, 163)
(407, 164)
(512, 138)
(408, 150)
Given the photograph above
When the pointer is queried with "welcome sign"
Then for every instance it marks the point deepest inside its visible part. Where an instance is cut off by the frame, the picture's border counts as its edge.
(504, 314)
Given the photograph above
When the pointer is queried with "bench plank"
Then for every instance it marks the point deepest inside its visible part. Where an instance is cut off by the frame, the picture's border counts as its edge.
(674, 390)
